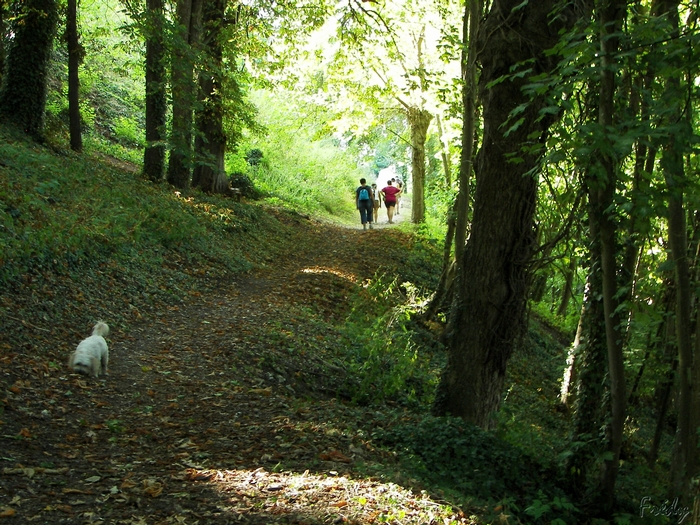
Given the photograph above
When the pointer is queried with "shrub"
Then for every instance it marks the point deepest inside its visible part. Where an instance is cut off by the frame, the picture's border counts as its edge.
(245, 184)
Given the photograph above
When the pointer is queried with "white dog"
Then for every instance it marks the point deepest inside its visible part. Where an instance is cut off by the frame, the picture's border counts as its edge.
(92, 356)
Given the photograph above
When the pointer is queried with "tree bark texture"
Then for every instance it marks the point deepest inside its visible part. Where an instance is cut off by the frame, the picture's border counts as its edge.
(154, 154)
(23, 91)
(180, 161)
(210, 142)
(488, 310)
(74, 58)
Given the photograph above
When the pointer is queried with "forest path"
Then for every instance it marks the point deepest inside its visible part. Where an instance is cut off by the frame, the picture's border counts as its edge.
(217, 410)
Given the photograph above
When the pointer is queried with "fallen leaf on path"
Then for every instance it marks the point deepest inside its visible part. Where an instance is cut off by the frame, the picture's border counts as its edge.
(334, 455)
(152, 488)
(76, 491)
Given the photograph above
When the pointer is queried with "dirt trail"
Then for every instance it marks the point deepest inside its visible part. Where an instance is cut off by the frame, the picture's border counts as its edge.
(217, 410)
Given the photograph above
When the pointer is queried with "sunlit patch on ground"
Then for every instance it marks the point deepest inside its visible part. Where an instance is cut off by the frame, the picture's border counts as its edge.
(321, 498)
(323, 270)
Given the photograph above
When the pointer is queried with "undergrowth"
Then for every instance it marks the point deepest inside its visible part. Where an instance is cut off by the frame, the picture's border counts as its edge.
(64, 211)
(477, 470)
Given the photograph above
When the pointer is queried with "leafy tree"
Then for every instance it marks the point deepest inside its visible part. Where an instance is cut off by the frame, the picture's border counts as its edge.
(602, 184)
(685, 462)
(23, 90)
(491, 292)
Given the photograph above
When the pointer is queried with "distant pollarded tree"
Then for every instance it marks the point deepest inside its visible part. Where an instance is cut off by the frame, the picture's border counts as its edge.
(23, 90)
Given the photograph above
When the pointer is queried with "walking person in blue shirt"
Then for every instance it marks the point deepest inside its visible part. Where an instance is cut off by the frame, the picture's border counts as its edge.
(364, 203)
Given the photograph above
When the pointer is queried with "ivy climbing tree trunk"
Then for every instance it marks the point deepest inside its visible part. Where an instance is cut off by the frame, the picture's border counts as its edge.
(154, 154)
(210, 142)
(185, 46)
(74, 58)
(23, 90)
(678, 139)
(601, 196)
(488, 310)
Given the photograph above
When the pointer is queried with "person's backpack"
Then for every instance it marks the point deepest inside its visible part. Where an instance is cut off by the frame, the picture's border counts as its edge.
(364, 194)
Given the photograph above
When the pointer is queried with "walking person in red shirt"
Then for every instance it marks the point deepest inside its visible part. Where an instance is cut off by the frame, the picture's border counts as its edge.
(390, 193)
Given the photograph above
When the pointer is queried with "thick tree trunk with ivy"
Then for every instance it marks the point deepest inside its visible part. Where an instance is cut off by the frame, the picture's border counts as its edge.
(23, 91)
(419, 122)
(154, 154)
(678, 139)
(601, 194)
(590, 404)
(74, 58)
(488, 310)
(210, 143)
(185, 45)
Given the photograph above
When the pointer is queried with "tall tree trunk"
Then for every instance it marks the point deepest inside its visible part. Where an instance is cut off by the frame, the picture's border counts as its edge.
(591, 375)
(444, 154)
(154, 154)
(74, 59)
(470, 33)
(567, 392)
(419, 121)
(23, 91)
(488, 310)
(677, 140)
(189, 14)
(664, 390)
(672, 165)
(459, 215)
(210, 143)
(601, 195)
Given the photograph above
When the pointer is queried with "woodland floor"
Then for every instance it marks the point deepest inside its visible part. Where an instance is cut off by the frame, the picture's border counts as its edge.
(218, 409)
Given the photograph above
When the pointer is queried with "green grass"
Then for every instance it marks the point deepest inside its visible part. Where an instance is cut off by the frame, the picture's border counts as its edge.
(62, 210)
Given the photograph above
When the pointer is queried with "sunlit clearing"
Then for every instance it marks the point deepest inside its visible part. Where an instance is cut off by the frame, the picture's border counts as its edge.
(329, 497)
(319, 270)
